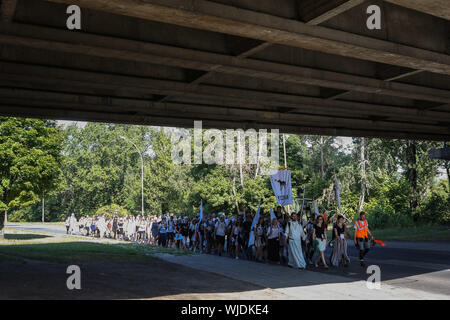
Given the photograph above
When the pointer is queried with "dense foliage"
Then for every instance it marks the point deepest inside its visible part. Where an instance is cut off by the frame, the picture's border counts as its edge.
(30, 158)
(97, 170)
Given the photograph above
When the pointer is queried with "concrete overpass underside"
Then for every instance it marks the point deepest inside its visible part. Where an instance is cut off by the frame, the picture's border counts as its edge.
(301, 66)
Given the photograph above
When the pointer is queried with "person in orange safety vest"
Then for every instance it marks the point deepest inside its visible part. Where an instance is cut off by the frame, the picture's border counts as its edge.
(361, 237)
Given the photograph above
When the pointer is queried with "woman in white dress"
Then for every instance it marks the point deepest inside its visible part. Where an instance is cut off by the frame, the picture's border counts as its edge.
(320, 239)
(131, 229)
(101, 225)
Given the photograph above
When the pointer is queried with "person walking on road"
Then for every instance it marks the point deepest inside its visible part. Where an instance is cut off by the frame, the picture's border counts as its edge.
(115, 227)
(155, 232)
(339, 243)
(258, 231)
(320, 239)
(67, 224)
(220, 230)
(295, 234)
(101, 225)
(273, 241)
(361, 237)
(236, 238)
(72, 223)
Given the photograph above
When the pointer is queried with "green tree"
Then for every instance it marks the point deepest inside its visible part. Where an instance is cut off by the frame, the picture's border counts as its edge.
(30, 156)
(97, 165)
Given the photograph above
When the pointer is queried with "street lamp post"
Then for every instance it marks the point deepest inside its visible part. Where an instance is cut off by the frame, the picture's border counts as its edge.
(43, 207)
(142, 171)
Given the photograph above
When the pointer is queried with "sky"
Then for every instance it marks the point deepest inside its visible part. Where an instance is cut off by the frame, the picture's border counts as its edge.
(65, 123)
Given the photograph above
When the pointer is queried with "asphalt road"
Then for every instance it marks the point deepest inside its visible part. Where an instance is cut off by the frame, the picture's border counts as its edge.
(56, 229)
(423, 266)
(406, 265)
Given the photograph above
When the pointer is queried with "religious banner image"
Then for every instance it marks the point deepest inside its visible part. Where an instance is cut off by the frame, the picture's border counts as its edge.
(281, 185)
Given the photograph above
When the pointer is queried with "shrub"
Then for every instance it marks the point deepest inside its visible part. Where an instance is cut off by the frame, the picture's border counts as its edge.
(436, 208)
(112, 210)
(381, 214)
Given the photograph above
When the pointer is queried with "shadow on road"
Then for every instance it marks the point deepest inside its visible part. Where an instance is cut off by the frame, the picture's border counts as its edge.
(127, 276)
(118, 271)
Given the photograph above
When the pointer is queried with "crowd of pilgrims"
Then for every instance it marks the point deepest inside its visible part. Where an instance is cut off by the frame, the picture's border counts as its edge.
(227, 235)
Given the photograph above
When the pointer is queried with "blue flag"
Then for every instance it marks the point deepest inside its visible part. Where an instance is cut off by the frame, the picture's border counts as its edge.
(201, 210)
(251, 239)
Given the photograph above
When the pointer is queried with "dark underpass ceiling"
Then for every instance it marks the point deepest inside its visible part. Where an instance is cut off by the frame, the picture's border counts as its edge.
(301, 66)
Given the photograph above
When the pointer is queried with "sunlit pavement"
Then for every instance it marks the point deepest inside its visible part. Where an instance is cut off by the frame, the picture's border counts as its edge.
(313, 284)
(50, 228)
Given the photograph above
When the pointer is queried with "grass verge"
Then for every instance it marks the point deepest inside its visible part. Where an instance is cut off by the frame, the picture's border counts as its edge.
(424, 233)
(65, 249)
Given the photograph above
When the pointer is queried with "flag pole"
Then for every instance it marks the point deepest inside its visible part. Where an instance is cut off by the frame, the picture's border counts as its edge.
(285, 163)
(284, 150)
(303, 202)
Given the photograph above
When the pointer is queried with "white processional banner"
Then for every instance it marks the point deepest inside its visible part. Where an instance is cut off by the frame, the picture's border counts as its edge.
(251, 240)
(281, 185)
(316, 209)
